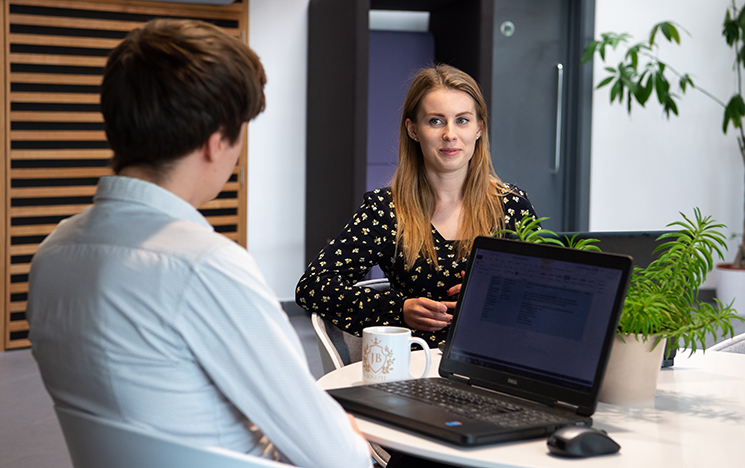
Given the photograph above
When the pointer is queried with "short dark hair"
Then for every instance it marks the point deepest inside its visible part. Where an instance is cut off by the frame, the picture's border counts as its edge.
(171, 84)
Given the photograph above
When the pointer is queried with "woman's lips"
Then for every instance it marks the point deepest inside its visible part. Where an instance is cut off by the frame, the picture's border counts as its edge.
(449, 151)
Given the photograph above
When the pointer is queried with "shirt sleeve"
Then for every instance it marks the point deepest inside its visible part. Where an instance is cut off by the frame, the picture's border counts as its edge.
(245, 343)
(327, 286)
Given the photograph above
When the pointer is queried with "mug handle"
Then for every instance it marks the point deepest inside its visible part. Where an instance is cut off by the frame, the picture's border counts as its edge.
(425, 347)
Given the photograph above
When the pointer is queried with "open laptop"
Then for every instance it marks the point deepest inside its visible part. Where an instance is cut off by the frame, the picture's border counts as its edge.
(530, 335)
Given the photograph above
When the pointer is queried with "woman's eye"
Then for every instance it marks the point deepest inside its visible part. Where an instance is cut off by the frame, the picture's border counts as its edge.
(462, 120)
(435, 121)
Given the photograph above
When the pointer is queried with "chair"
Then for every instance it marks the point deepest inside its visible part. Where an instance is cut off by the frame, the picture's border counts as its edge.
(95, 442)
(339, 348)
(736, 344)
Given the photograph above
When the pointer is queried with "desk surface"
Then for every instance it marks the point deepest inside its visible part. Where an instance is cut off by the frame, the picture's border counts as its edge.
(697, 421)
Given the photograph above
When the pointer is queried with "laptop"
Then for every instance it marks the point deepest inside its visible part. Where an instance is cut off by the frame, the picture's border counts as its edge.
(528, 346)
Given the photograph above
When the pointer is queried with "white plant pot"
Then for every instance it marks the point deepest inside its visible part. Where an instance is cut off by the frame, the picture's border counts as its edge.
(631, 376)
(731, 286)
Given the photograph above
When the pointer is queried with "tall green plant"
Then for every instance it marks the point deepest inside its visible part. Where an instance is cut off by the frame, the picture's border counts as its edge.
(641, 73)
(662, 299)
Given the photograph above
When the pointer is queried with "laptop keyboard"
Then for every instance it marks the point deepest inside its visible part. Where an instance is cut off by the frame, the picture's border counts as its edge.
(467, 404)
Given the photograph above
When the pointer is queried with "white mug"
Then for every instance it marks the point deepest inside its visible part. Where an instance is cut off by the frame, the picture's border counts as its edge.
(386, 353)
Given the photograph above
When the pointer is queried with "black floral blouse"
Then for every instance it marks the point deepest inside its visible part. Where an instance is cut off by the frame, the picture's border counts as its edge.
(369, 239)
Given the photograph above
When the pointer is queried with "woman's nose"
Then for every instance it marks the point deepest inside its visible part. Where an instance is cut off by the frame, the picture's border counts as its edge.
(448, 134)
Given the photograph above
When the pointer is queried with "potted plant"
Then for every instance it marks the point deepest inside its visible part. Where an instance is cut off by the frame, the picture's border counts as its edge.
(662, 303)
(641, 74)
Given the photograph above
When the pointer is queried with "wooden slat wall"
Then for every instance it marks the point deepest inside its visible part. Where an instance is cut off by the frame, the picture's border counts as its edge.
(52, 131)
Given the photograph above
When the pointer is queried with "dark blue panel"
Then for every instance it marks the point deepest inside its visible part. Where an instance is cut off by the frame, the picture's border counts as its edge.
(394, 57)
(380, 175)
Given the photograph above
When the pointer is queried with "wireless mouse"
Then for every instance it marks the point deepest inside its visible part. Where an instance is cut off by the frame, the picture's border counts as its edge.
(581, 441)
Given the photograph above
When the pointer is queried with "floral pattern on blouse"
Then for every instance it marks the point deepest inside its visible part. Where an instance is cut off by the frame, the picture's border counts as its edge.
(369, 239)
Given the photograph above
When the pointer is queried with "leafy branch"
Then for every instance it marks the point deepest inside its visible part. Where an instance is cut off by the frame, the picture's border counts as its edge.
(641, 73)
(638, 80)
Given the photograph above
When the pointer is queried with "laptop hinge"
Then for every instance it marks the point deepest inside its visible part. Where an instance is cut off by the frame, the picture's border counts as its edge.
(459, 378)
(566, 405)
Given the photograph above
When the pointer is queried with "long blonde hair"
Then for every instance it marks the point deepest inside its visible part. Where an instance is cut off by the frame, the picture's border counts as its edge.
(413, 195)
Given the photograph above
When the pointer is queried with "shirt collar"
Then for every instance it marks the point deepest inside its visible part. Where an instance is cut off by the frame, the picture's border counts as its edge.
(139, 191)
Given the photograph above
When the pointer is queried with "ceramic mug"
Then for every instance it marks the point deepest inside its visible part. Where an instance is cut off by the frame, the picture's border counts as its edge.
(386, 353)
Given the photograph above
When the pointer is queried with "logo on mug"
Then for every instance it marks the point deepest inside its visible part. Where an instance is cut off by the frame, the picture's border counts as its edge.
(377, 359)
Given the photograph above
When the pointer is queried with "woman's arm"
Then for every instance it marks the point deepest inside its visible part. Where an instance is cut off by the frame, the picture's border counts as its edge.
(327, 286)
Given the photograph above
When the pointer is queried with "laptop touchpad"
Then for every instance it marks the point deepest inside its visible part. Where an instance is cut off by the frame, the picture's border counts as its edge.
(391, 401)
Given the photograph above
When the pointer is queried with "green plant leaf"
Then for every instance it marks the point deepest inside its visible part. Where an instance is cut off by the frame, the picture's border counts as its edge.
(589, 52)
(731, 28)
(740, 17)
(685, 80)
(644, 91)
(661, 87)
(616, 90)
(734, 112)
(670, 32)
(670, 106)
(605, 82)
(653, 33)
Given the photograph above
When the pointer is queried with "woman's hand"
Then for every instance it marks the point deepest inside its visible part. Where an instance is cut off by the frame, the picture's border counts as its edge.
(455, 290)
(427, 315)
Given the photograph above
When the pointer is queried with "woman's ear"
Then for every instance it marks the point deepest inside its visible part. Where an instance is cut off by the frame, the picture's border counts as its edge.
(411, 129)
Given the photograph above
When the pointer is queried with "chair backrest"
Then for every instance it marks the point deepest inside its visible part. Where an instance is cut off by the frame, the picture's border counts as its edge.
(735, 344)
(95, 442)
(339, 348)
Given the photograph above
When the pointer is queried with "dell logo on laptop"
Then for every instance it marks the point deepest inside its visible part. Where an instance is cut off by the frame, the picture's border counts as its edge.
(512, 381)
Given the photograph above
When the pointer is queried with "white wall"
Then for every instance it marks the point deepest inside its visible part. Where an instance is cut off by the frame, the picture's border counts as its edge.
(645, 169)
(278, 33)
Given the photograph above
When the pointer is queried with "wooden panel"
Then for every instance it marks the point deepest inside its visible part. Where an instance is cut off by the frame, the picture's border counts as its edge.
(5, 202)
(46, 210)
(48, 78)
(55, 98)
(55, 147)
(23, 249)
(70, 60)
(62, 41)
(38, 135)
(22, 155)
(53, 192)
(59, 173)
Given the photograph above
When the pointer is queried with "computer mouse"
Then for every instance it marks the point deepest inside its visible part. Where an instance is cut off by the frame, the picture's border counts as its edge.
(581, 441)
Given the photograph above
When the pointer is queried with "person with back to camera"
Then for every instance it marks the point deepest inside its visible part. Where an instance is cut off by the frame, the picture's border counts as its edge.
(419, 231)
(139, 311)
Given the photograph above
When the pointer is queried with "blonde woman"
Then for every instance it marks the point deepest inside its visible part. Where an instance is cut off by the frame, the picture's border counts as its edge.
(420, 230)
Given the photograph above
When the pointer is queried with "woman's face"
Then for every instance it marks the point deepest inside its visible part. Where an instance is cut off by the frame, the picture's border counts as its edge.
(446, 128)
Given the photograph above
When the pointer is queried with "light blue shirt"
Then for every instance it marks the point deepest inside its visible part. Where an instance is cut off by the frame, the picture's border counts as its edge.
(140, 312)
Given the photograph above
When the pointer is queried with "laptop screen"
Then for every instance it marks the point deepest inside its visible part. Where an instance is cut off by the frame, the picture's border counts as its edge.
(541, 314)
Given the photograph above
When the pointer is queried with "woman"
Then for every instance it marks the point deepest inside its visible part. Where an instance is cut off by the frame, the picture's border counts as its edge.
(420, 230)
